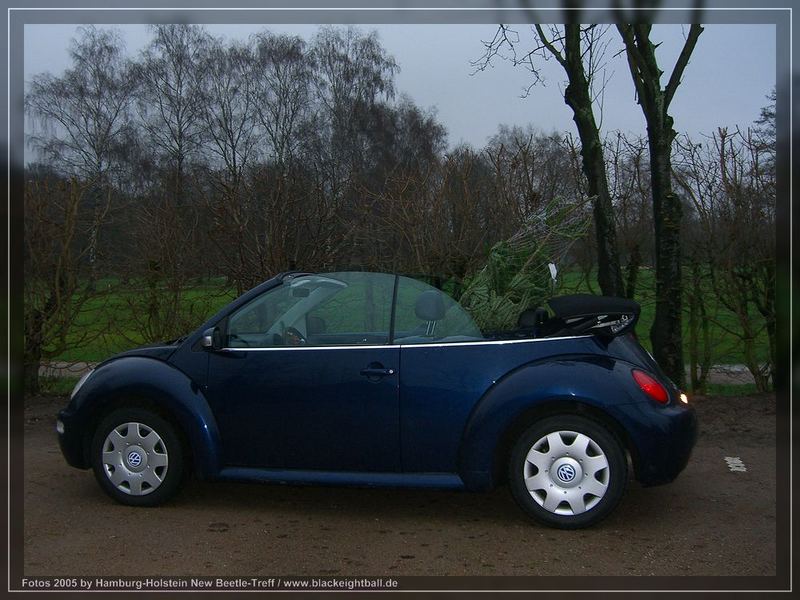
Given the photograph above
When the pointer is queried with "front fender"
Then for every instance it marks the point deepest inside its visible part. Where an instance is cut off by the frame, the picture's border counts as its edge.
(599, 382)
(136, 378)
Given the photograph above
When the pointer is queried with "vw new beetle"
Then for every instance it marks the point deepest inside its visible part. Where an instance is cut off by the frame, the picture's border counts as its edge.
(375, 379)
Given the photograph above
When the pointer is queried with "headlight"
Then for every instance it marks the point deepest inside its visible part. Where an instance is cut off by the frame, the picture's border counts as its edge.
(81, 381)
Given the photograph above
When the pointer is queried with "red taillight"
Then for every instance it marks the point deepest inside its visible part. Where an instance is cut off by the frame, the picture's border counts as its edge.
(651, 387)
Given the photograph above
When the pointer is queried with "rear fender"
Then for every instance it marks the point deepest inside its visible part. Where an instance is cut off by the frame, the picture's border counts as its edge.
(134, 380)
(599, 383)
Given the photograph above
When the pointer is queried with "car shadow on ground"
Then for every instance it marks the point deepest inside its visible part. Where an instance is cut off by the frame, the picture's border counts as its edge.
(434, 507)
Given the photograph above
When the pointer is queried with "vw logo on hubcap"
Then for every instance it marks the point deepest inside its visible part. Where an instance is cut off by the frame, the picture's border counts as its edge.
(134, 458)
(566, 473)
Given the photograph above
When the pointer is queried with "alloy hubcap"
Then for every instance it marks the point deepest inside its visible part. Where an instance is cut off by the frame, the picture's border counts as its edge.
(566, 472)
(135, 458)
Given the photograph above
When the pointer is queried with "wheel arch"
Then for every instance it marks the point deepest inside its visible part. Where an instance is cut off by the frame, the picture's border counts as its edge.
(551, 408)
(587, 385)
(130, 401)
(153, 385)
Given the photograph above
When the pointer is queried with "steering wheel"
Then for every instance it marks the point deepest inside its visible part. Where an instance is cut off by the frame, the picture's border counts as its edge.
(292, 337)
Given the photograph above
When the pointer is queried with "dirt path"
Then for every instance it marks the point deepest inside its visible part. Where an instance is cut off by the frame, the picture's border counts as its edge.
(711, 521)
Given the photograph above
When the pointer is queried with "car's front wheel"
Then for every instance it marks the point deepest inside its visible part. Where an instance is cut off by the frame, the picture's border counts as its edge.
(567, 471)
(137, 457)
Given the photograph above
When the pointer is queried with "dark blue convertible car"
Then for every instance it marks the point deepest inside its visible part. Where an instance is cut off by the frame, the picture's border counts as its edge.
(374, 379)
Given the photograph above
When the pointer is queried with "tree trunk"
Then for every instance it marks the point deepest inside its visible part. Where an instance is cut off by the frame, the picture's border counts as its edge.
(760, 378)
(705, 365)
(96, 197)
(92, 256)
(698, 334)
(765, 303)
(578, 97)
(32, 356)
(665, 334)
(694, 381)
(31, 376)
(633, 272)
(771, 333)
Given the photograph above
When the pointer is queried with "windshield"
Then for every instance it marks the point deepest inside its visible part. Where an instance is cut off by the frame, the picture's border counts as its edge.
(332, 309)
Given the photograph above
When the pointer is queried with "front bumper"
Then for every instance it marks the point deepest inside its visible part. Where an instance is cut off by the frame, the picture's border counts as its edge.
(663, 440)
(71, 441)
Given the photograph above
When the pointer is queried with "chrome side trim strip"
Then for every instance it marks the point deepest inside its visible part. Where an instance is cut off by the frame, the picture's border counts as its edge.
(271, 348)
(495, 342)
(408, 346)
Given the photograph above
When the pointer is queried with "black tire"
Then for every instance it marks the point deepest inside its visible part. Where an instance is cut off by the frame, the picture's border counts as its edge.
(614, 476)
(171, 474)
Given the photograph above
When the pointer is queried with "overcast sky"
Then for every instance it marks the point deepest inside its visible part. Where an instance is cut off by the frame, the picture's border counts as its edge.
(725, 84)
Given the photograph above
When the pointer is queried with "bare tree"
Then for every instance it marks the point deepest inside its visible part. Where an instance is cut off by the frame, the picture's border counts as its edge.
(282, 90)
(532, 169)
(436, 223)
(352, 70)
(733, 197)
(629, 184)
(168, 96)
(229, 110)
(580, 51)
(655, 100)
(162, 216)
(231, 139)
(56, 220)
(84, 115)
(243, 159)
(352, 74)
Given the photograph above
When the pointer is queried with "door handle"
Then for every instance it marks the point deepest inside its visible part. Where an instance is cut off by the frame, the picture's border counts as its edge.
(376, 372)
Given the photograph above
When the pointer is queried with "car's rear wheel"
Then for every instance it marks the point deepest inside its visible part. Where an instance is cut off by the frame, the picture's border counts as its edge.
(567, 471)
(137, 457)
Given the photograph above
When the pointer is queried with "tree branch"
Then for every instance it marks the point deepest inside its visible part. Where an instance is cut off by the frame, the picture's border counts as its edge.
(550, 47)
(680, 65)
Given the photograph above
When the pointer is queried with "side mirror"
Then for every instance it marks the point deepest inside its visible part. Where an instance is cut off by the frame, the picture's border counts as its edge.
(212, 339)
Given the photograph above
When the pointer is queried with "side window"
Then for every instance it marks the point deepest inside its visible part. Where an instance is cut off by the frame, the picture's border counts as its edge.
(359, 313)
(425, 315)
(316, 310)
(256, 323)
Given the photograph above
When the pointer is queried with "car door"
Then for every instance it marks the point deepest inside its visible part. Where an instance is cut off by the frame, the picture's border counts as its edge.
(307, 379)
(446, 367)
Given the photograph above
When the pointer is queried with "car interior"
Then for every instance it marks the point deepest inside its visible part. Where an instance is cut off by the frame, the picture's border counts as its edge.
(299, 314)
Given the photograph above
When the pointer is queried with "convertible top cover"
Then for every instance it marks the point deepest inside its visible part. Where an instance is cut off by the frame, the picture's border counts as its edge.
(585, 313)
(580, 305)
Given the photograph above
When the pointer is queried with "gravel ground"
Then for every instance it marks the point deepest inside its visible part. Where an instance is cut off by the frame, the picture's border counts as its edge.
(710, 521)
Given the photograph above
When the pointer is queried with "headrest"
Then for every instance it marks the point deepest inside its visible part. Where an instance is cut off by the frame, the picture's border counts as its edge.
(430, 306)
(530, 318)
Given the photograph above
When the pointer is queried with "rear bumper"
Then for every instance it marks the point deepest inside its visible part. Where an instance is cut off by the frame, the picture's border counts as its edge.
(664, 439)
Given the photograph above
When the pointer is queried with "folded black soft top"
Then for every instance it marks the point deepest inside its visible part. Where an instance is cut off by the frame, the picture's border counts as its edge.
(581, 305)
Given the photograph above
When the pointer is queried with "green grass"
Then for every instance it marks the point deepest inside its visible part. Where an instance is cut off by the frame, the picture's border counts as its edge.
(726, 346)
(107, 325)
